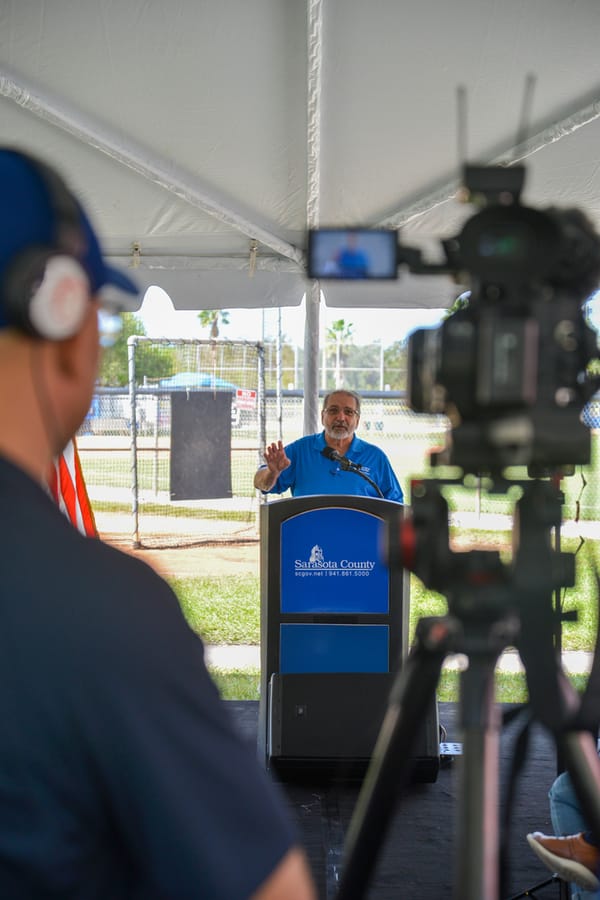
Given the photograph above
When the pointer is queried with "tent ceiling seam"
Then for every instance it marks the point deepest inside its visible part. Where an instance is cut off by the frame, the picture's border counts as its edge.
(93, 134)
(173, 262)
(555, 132)
(315, 50)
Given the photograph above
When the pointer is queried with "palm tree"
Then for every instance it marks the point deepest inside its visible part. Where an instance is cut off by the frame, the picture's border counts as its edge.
(210, 318)
(341, 334)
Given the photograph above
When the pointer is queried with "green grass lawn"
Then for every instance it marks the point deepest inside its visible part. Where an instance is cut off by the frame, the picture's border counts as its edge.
(226, 610)
(221, 610)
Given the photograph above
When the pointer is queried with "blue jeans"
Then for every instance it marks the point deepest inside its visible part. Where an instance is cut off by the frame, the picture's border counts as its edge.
(567, 819)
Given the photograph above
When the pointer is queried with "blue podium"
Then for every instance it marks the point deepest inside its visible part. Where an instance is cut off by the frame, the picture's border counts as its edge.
(334, 632)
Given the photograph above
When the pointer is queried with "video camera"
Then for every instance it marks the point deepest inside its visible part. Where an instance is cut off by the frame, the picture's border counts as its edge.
(509, 365)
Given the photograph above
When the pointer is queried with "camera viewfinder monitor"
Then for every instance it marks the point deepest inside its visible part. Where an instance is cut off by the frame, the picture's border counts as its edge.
(352, 254)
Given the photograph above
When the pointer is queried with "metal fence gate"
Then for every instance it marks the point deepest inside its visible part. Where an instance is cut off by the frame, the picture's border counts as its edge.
(169, 461)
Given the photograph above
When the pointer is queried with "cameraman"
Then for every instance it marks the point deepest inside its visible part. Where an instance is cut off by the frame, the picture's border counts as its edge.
(121, 774)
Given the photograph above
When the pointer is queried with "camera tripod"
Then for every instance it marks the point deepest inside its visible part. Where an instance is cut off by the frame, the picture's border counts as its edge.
(490, 606)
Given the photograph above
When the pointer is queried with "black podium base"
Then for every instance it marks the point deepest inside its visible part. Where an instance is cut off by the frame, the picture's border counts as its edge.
(326, 724)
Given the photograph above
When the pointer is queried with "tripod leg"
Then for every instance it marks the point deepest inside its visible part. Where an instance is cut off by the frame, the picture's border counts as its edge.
(477, 876)
(411, 695)
(532, 891)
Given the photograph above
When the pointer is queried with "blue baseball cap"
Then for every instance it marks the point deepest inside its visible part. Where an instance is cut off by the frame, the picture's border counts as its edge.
(37, 209)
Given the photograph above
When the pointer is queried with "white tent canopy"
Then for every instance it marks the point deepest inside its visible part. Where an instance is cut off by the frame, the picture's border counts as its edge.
(205, 135)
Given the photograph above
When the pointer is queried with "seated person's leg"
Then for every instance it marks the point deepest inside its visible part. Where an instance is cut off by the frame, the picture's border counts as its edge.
(564, 807)
(573, 856)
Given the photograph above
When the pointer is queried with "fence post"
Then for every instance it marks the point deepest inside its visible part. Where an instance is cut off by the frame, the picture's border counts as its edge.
(131, 342)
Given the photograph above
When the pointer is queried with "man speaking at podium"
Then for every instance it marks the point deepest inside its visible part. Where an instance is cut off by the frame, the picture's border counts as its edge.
(335, 461)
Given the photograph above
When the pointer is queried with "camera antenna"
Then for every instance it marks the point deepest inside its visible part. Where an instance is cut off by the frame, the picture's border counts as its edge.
(463, 194)
(525, 119)
(461, 123)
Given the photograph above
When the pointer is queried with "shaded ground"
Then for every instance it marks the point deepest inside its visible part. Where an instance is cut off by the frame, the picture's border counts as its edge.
(206, 559)
(417, 856)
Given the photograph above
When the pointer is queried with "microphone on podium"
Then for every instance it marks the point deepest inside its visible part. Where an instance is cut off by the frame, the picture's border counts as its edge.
(348, 466)
(345, 463)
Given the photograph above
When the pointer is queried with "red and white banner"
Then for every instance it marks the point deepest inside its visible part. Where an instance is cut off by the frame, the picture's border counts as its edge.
(68, 488)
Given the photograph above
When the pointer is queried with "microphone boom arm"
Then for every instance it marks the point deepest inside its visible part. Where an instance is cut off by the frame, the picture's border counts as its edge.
(357, 471)
(348, 466)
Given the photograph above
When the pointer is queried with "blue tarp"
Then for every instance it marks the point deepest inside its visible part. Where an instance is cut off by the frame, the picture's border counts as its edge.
(196, 380)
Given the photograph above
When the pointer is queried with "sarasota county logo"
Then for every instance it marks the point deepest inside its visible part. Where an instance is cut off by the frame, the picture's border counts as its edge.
(316, 561)
(316, 555)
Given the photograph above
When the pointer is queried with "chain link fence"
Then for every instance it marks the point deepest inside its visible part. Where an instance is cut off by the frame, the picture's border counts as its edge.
(137, 440)
(169, 461)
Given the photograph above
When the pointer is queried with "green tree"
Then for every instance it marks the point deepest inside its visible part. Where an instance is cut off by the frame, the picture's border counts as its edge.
(288, 360)
(362, 364)
(211, 318)
(461, 302)
(395, 360)
(151, 362)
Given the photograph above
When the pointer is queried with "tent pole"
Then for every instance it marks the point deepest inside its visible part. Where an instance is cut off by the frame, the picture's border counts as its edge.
(314, 15)
(311, 359)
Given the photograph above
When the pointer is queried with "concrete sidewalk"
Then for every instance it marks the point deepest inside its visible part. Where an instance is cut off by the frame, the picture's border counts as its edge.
(247, 657)
(585, 528)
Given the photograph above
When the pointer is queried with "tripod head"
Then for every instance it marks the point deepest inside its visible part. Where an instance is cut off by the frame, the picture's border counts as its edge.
(514, 599)
(420, 542)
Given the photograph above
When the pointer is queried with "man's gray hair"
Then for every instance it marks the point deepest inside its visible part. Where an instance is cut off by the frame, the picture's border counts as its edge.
(352, 394)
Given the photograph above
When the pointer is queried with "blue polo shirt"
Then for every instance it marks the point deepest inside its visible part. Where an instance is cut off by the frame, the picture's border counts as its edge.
(310, 472)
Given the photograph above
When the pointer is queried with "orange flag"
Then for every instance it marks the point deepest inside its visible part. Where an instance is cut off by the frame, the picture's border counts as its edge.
(68, 488)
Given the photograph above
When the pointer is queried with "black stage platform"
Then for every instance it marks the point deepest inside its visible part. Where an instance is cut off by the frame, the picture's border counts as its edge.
(416, 862)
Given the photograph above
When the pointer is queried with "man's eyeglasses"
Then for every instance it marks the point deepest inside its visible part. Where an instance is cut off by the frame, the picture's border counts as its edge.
(109, 327)
(111, 305)
(336, 410)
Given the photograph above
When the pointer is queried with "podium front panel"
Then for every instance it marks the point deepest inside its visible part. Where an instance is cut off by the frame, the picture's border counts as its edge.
(333, 648)
(331, 563)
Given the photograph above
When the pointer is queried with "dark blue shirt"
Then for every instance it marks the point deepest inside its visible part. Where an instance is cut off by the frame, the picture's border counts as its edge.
(121, 774)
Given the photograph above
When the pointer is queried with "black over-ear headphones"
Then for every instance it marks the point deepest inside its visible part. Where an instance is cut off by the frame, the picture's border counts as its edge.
(44, 291)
